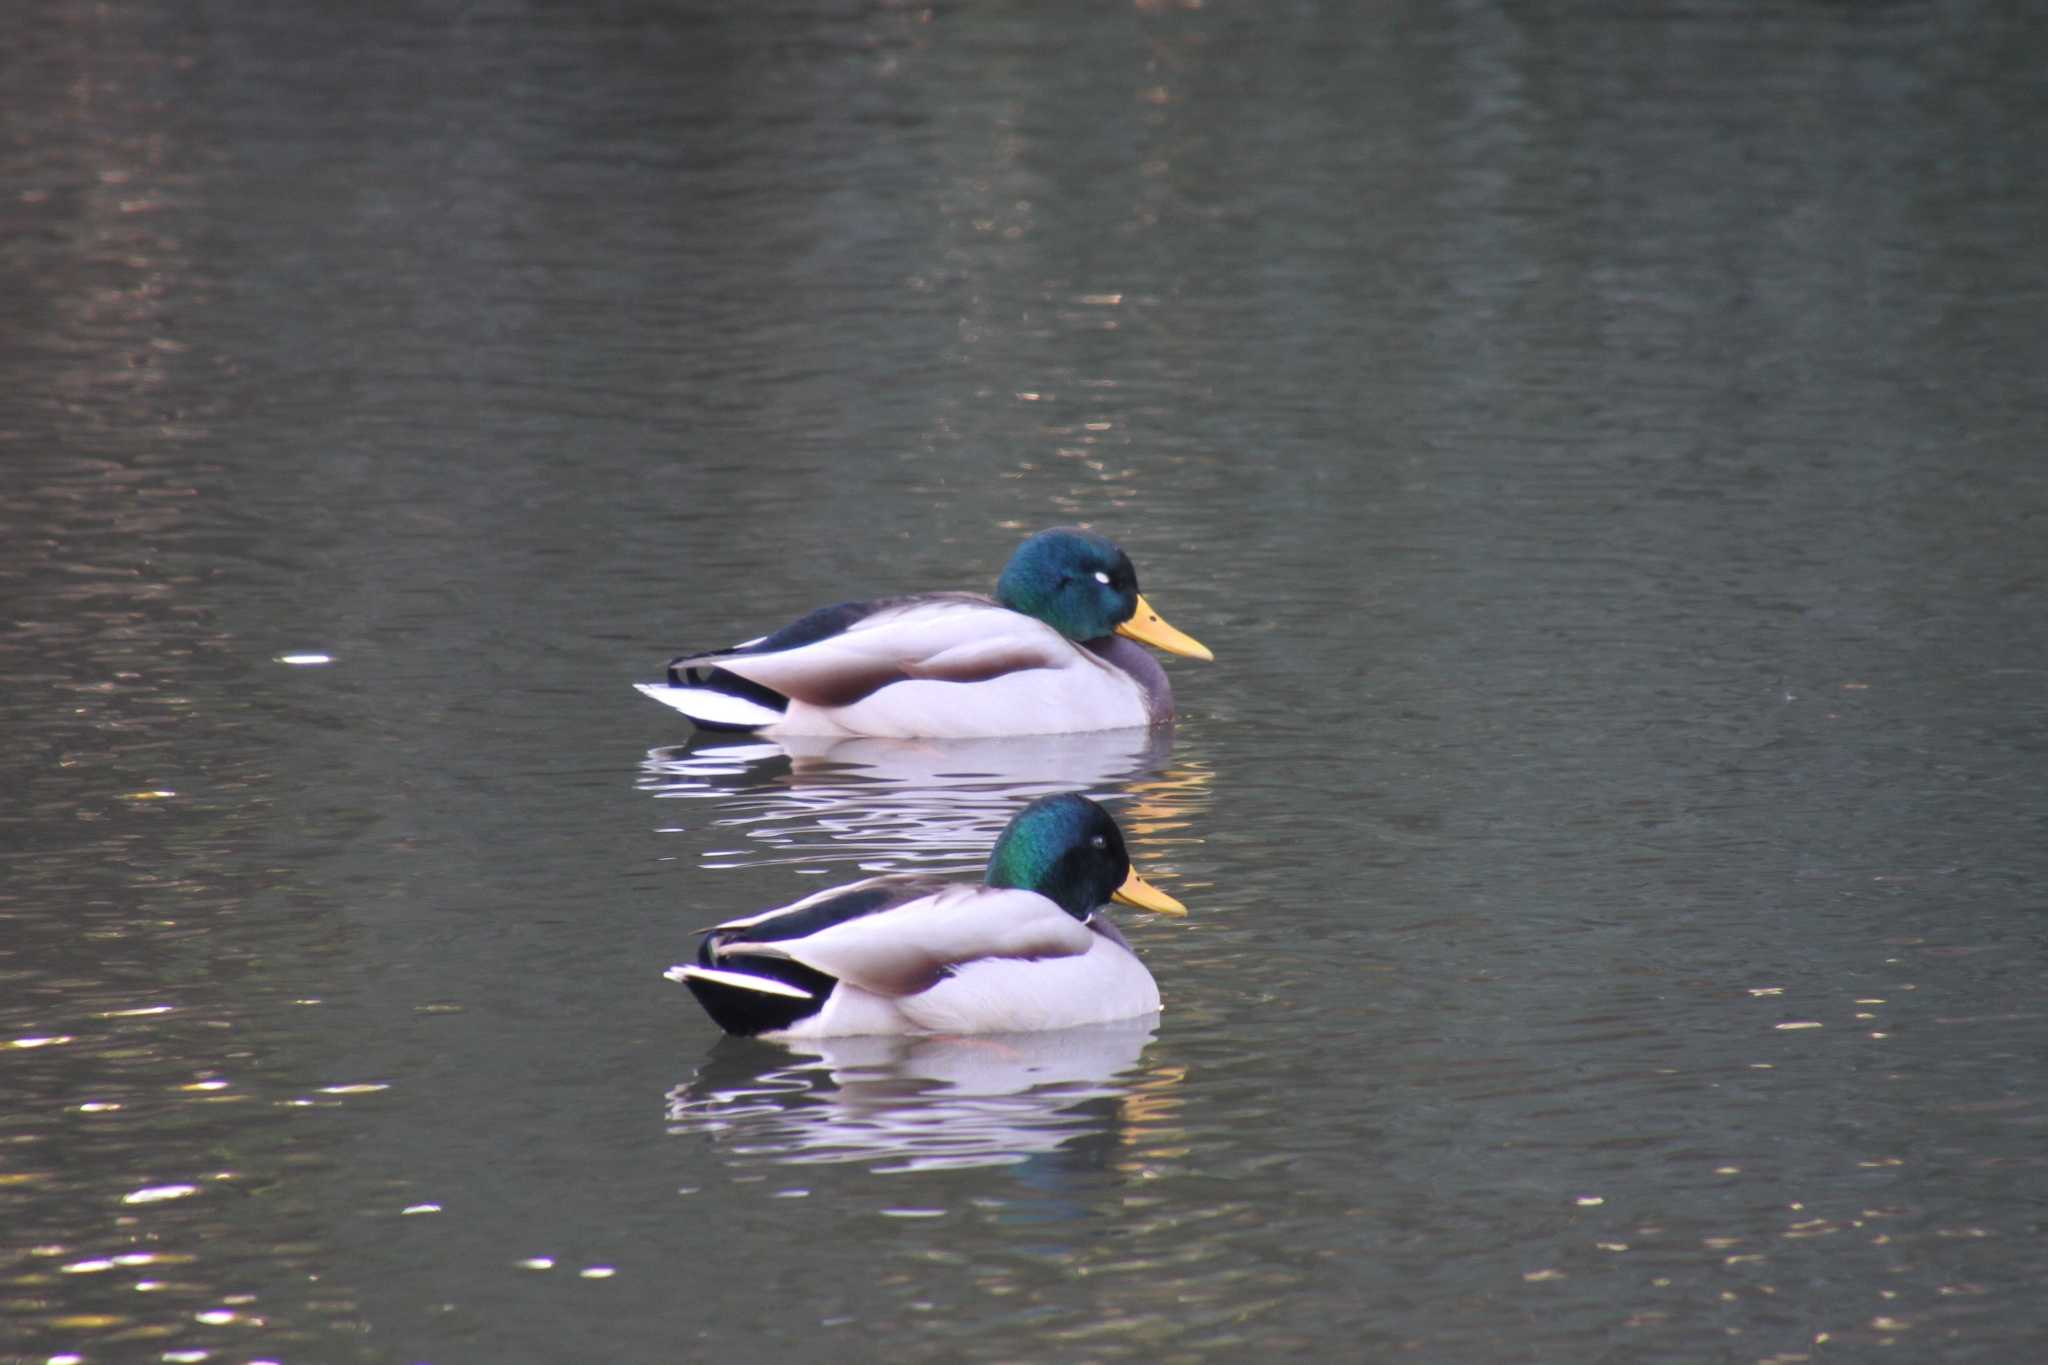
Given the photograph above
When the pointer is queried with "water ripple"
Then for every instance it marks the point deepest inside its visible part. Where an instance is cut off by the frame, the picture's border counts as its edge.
(900, 1105)
(901, 805)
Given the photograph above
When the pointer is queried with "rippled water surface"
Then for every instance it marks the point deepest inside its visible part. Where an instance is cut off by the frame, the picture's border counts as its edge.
(1603, 451)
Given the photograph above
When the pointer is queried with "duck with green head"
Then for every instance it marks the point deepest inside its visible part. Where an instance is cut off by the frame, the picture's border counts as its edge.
(1051, 652)
(1026, 949)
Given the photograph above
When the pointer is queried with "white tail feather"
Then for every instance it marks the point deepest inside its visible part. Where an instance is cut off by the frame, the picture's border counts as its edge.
(708, 704)
(763, 984)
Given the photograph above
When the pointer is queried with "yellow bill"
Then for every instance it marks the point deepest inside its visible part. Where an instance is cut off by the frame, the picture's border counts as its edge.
(1141, 893)
(1148, 627)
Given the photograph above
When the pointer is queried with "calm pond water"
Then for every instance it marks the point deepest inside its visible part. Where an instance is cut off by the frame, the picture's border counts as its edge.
(1602, 449)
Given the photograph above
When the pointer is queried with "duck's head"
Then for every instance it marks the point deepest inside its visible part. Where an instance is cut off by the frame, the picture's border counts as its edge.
(1067, 849)
(1085, 588)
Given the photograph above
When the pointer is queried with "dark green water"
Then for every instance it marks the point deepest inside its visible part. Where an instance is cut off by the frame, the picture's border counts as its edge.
(1602, 449)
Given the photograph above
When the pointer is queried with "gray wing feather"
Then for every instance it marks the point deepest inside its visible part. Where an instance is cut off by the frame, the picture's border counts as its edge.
(910, 948)
(953, 637)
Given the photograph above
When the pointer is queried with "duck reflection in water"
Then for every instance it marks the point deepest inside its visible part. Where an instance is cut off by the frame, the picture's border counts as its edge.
(898, 1104)
(896, 805)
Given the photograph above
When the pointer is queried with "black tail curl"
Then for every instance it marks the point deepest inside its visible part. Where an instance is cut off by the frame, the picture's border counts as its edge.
(682, 674)
(746, 1012)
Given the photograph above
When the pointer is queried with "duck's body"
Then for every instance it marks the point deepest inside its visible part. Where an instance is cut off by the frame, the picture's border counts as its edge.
(1049, 654)
(908, 954)
(1022, 952)
(938, 665)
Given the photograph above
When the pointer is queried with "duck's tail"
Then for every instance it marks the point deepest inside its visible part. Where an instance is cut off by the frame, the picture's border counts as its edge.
(744, 1003)
(714, 699)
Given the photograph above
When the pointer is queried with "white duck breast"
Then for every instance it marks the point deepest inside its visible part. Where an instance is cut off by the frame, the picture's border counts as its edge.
(1002, 995)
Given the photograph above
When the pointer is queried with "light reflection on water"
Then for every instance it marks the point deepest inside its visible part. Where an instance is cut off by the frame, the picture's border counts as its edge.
(890, 805)
(903, 1105)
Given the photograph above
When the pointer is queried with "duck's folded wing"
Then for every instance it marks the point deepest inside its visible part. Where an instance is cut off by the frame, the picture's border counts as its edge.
(823, 909)
(911, 947)
(839, 655)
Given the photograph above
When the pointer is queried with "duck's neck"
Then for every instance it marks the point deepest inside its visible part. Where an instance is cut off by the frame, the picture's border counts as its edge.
(1136, 660)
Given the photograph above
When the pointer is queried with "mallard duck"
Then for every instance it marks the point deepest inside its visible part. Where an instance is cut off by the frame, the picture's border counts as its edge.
(1051, 652)
(912, 953)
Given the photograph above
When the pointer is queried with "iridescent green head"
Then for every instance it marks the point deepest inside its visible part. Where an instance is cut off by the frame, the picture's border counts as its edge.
(1073, 580)
(1085, 588)
(1067, 849)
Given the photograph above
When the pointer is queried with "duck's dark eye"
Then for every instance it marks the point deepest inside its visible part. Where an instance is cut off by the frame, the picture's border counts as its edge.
(1102, 578)
(1099, 842)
